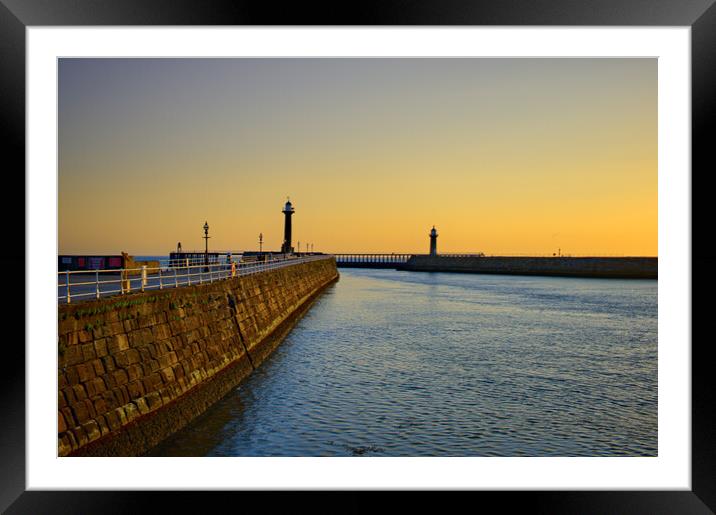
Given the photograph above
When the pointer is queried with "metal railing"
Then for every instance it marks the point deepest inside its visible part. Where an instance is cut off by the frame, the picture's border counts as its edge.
(372, 258)
(84, 284)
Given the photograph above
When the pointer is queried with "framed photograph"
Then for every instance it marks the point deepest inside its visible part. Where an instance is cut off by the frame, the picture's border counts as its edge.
(529, 169)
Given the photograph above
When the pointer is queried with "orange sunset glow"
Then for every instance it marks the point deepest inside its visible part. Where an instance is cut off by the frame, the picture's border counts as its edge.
(503, 156)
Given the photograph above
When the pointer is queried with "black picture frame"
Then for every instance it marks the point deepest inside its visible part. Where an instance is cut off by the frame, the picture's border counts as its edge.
(700, 15)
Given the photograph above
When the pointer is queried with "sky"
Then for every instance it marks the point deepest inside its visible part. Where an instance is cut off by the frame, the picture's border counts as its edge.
(503, 156)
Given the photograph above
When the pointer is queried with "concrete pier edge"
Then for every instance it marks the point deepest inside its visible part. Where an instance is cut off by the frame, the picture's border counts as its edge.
(588, 267)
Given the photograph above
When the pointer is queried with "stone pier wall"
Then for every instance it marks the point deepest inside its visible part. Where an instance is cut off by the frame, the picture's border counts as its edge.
(134, 369)
(606, 267)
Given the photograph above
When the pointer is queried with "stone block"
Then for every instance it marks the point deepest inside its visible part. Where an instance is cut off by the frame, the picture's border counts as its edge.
(79, 392)
(73, 339)
(100, 405)
(176, 326)
(178, 370)
(161, 332)
(131, 411)
(154, 400)
(167, 394)
(150, 382)
(154, 350)
(68, 393)
(167, 375)
(109, 380)
(121, 415)
(121, 359)
(161, 348)
(109, 364)
(70, 419)
(80, 412)
(145, 321)
(145, 354)
(72, 356)
(117, 343)
(100, 348)
(135, 338)
(98, 367)
(182, 383)
(64, 445)
(122, 394)
(84, 336)
(92, 431)
(120, 376)
(95, 387)
(110, 399)
(100, 385)
(135, 372)
(90, 408)
(133, 356)
(61, 425)
(98, 332)
(135, 389)
(113, 420)
(146, 368)
(115, 327)
(103, 427)
(142, 406)
(141, 337)
(164, 361)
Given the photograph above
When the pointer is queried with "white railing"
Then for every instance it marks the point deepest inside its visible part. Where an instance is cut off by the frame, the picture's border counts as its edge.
(83, 284)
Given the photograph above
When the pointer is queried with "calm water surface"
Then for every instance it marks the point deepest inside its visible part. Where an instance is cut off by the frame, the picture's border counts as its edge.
(390, 363)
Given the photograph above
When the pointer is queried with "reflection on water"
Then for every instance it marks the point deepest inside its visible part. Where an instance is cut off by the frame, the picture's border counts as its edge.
(390, 363)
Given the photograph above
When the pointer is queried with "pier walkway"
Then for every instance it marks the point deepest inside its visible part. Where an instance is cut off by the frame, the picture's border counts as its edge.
(74, 286)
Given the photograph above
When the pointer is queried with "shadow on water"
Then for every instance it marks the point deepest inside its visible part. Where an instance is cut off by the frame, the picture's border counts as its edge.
(205, 432)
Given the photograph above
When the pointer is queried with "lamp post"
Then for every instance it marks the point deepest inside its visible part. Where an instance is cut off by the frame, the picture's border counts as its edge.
(261, 242)
(206, 240)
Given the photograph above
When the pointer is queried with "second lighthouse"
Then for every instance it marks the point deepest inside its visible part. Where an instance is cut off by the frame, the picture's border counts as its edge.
(288, 211)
